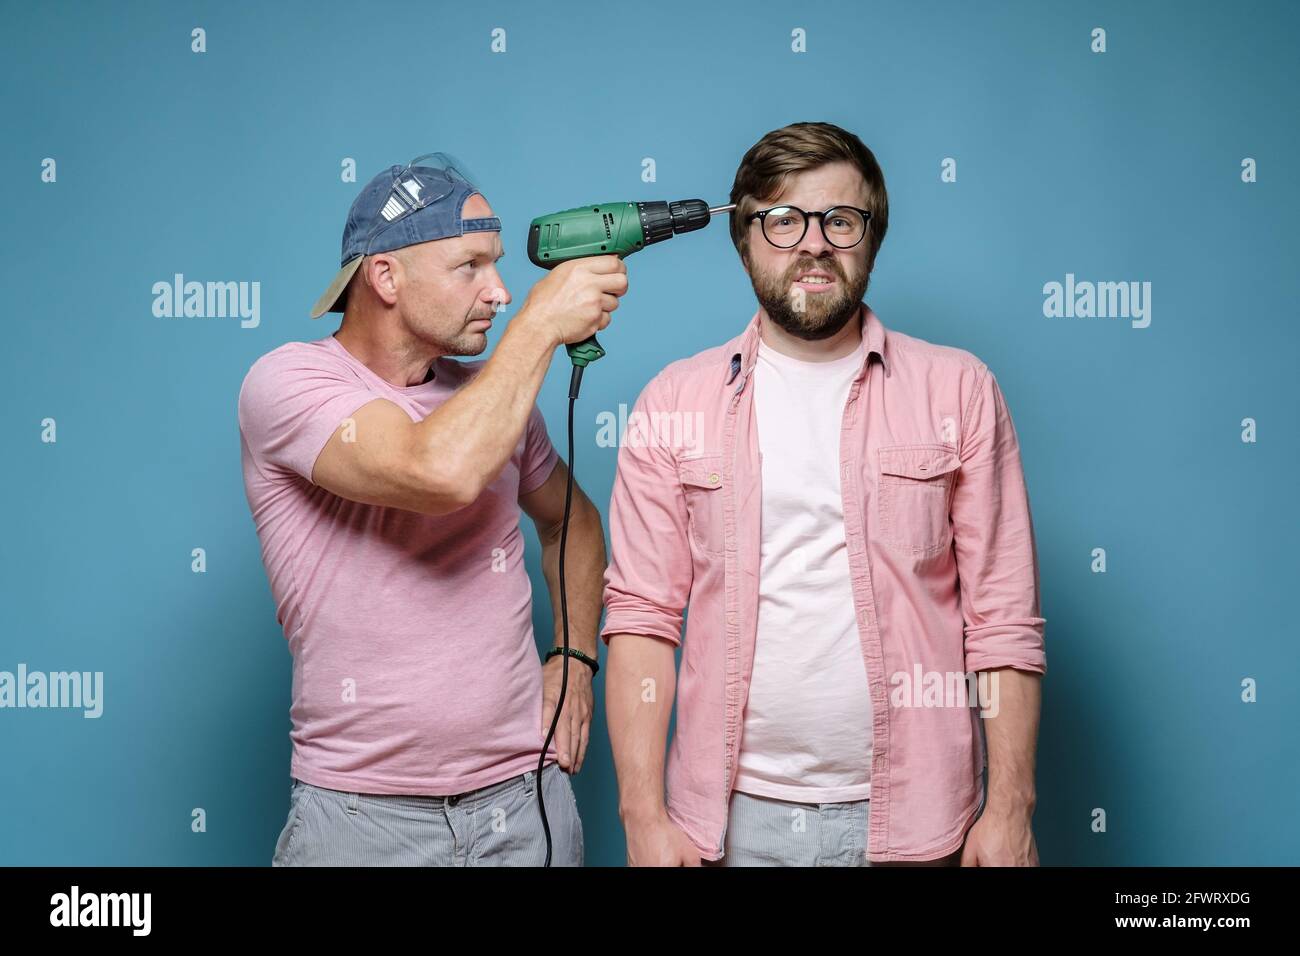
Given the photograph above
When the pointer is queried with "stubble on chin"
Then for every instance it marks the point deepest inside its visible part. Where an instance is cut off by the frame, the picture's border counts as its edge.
(467, 344)
(464, 342)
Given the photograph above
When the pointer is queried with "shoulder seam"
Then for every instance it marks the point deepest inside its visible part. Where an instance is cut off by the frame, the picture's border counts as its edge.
(981, 373)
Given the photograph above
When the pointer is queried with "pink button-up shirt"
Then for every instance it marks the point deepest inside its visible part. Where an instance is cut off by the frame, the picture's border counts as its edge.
(941, 552)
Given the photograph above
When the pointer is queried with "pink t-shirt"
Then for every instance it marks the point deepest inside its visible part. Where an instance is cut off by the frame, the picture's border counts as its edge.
(414, 665)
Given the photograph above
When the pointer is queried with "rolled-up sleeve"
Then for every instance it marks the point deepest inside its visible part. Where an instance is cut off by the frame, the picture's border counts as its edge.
(997, 559)
(648, 581)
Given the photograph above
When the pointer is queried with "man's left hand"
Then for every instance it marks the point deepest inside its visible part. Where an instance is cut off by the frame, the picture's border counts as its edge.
(574, 727)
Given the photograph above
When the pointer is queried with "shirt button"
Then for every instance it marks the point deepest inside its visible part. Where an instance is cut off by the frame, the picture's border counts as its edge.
(714, 479)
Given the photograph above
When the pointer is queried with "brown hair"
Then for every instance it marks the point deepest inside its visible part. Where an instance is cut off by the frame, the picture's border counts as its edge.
(793, 149)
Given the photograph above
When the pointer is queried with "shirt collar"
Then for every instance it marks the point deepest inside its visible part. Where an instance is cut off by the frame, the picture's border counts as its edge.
(746, 346)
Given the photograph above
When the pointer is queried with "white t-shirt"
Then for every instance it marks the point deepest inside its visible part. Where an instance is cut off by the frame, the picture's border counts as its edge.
(807, 729)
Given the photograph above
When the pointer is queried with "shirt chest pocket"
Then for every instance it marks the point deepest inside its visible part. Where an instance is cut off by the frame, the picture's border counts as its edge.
(702, 482)
(913, 496)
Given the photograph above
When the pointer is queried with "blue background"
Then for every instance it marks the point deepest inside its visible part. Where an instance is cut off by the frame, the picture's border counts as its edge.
(225, 166)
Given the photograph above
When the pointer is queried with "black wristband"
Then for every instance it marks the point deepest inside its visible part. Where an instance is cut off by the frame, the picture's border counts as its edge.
(574, 652)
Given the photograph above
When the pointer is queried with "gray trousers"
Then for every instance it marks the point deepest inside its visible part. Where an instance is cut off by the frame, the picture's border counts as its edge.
(498, 825)
(764, 831)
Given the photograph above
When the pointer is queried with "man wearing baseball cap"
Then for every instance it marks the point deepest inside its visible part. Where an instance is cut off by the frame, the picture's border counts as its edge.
(386, 481)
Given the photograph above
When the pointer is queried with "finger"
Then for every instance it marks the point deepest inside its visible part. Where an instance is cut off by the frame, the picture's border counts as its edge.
(581, 728)
(608, 303)
(605, 264)
(615, 283)
(586, 736)
(562, 742)
(548, 711)
(547, 719)
(575, 735)
(573, 740)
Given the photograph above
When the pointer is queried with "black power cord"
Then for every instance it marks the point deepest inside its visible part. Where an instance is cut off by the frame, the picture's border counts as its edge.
(575, 383)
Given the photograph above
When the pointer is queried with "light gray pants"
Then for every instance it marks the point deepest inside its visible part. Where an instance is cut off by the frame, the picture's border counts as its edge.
(498, 825)
(764, 831)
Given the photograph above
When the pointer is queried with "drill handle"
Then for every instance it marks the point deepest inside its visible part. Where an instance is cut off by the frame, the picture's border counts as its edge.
(583, 353)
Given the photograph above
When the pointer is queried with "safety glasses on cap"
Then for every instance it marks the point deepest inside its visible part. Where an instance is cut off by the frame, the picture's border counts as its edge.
(422, 182)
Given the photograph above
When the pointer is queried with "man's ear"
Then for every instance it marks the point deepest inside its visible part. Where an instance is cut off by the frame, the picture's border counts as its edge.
(381, 273)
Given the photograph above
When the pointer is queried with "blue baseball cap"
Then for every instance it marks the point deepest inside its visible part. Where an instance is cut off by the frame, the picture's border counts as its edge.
(403, 206)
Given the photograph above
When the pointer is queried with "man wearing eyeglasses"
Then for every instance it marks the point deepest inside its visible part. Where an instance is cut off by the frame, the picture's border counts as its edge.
(851, 533)
(386, 481)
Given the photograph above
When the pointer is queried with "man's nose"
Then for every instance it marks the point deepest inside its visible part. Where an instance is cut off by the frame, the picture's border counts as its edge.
(498, 293)
(814, 242)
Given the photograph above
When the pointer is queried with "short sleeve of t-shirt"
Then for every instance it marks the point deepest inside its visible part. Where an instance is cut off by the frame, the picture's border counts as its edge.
(540, 455)
(291, 402)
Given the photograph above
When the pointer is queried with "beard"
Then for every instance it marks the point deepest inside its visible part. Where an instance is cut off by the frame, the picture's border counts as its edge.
(463, 342)
(466, 343)
(809, 315)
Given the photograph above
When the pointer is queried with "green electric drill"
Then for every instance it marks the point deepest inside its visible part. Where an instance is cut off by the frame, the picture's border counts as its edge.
(616, 228)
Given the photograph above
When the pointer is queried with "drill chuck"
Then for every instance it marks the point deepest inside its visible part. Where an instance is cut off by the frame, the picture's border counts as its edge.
(663, 220)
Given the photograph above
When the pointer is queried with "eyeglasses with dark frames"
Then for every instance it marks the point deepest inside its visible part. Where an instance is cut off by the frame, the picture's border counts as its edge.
(785, 226)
